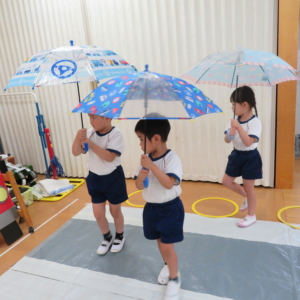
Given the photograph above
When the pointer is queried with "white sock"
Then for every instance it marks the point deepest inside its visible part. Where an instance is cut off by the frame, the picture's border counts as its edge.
(244, 205)
(251, 217)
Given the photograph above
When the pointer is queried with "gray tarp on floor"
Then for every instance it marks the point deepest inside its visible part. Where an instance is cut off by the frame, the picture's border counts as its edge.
(223, 267)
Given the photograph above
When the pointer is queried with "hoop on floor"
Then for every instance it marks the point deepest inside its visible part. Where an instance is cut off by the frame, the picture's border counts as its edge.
(209, 216)
(280, 218)
(135, 205)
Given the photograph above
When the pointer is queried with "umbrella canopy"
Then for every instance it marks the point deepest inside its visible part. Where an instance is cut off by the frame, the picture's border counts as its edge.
(137, 95)
(241, 67)
(69, 64)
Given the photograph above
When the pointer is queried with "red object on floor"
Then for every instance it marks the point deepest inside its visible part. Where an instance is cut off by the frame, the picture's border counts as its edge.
(6, 202)
(51, 152)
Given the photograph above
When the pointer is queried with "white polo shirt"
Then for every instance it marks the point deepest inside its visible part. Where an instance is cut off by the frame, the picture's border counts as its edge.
(112, 141)
(170, 164)
(253, 128)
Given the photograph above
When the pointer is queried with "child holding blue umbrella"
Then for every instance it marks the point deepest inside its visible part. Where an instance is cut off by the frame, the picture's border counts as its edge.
(244, 132)
(163, 213)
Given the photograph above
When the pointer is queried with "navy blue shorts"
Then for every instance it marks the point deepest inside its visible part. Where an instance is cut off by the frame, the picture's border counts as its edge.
(111, 187)
(164, 221)
(247, 164)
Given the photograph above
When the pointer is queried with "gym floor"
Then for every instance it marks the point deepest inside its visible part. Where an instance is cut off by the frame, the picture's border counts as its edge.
(47, 217)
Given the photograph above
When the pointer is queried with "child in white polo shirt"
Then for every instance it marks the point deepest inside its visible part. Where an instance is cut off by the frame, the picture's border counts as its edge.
(244, 160)
(106, 179)
(163, 213)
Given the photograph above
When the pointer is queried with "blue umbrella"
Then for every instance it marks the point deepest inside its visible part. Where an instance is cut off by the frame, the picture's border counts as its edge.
(147, 95)
(136, 95)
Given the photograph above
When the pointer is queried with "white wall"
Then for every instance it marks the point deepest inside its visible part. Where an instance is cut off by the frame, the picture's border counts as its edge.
(171, 36)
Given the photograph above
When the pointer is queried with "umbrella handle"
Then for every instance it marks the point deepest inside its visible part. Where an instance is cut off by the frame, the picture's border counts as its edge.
(86, 147)
(146, 181)
(229, 137)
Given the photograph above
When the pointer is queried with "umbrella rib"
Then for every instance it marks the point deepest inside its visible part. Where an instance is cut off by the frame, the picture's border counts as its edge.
(207, 69)
(81, 51)
(292, 72)
(203, 74)
(266, 74)
(55, 54)
(233, 77)
(125, 100)
(212, 64)
(224, 56)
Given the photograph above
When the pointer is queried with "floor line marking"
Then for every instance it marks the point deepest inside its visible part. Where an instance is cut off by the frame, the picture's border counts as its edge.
(37, 228)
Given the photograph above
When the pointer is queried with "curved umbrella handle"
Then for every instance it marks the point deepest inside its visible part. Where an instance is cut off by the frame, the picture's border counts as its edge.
(229, 137)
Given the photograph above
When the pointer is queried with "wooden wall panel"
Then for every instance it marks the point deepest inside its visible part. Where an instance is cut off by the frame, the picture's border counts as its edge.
(288, 27)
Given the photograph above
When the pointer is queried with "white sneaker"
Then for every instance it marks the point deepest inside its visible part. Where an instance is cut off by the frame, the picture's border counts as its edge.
(104, 247)
(244, 206)
(173, 288)
(247, 221)
(164, 274)
(117, 245)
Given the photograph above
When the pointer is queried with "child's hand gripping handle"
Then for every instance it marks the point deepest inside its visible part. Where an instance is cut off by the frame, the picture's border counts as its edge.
(146, 180)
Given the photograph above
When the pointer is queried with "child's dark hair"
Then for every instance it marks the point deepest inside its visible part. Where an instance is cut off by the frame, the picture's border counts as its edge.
(244, 94)
(161, 127)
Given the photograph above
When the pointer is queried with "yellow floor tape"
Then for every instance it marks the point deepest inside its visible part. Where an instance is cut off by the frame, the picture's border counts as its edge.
(74, 181)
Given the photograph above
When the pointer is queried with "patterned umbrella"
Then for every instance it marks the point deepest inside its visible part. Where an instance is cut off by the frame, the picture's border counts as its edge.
(68, 65)
(142, 93)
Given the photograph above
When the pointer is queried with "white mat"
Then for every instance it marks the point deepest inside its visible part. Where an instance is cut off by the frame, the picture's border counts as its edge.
(35, 279)
(261, 231)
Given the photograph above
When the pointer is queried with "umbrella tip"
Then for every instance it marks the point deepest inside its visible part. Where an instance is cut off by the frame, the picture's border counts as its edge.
(71, 43)
(146, 68)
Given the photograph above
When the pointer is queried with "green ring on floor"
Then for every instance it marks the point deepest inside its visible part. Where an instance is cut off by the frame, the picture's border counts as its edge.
(217, 198)
(135, 205)
(280, 218)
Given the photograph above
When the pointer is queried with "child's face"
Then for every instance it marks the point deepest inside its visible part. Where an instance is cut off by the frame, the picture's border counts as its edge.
(150, 147)
(99, 123)
(240, 108)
